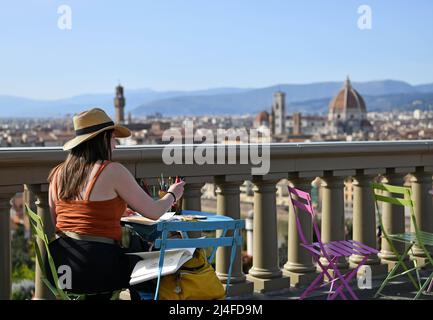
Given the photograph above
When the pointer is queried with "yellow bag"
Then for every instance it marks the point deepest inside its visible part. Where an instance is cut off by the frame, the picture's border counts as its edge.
(195, 280)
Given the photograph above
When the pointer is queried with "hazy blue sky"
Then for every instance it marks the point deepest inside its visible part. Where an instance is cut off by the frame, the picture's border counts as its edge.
(197, 44)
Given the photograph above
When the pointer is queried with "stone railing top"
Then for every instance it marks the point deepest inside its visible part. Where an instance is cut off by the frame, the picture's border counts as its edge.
(31, 165)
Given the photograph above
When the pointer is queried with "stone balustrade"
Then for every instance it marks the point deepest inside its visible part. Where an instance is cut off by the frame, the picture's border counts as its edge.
(300, 164)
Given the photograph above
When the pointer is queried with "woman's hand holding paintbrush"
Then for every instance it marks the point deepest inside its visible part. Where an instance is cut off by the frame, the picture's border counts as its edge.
(177, 188)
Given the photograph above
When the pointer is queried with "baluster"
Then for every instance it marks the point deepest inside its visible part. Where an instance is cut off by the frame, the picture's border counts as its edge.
(6, 193)
(421, 185)
(191, 200)
(364, 221)
(299, 266)
(40, 191)
(393, 221)
(265, 272)
(333, 210)
(228, 204)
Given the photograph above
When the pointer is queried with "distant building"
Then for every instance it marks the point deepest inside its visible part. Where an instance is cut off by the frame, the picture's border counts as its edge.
(262, 119)
(347, 111)
(129, 117)
(297, 125)
(278, 117)
(276, 120)
(119, 105)
(308, 124)
(159, 126)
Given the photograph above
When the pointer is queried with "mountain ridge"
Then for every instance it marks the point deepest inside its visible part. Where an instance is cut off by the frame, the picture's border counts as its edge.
(223, 100)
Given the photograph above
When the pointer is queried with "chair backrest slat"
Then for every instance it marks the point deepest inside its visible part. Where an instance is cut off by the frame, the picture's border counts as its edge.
(302, 206)
(405, 191)
(389, 188)
(295, 196)
(299, 193)
(396, 201)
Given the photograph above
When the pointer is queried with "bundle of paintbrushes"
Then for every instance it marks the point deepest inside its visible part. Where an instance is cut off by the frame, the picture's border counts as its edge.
(164, 185)
(143, 184)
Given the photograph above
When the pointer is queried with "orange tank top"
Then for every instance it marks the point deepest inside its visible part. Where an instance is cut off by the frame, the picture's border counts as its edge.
(96, 218)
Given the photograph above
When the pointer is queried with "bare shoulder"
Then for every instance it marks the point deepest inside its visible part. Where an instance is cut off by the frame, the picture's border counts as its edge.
(116, 169)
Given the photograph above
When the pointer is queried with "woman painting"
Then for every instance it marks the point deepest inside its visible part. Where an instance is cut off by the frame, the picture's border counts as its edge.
(88, 194)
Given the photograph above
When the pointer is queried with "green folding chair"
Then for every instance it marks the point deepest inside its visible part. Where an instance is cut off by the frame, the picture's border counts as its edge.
(419, 238)
(37, 228)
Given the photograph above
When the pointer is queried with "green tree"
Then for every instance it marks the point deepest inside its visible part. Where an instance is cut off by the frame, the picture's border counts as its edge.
(23, 264)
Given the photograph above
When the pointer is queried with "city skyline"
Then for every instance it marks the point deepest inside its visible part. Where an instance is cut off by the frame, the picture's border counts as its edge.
(192, 46)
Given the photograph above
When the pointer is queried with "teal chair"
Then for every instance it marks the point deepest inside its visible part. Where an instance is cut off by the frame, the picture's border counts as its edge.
(37, 228)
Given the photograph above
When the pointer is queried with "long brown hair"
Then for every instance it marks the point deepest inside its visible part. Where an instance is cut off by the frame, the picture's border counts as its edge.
(75, 170)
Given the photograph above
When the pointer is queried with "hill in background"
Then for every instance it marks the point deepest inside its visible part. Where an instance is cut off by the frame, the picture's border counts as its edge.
(382, 95)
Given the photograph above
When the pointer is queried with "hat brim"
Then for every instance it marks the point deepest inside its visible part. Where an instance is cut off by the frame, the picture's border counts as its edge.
(119, 132)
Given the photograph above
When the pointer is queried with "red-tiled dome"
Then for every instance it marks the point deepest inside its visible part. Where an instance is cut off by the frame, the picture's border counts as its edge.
(347, 98)
(262, 117)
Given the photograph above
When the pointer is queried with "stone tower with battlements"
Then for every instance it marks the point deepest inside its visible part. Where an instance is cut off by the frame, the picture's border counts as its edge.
(119, 105)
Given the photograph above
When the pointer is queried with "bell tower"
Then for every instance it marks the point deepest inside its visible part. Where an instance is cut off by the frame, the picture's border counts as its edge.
(279, 113)
(119, 105)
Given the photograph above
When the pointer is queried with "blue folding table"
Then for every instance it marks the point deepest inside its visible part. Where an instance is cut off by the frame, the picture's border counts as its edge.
(212, 222)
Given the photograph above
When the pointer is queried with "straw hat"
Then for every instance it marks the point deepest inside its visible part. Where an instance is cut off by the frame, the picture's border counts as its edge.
(89, 124)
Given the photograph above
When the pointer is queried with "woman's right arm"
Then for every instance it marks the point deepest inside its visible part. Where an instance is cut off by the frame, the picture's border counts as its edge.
(129, 190)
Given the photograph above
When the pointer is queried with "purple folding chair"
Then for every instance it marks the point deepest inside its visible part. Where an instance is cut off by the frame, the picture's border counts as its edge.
(331, 251)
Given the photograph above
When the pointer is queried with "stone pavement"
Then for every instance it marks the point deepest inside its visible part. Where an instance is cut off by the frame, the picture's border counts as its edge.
(395, 290)
(401, 289)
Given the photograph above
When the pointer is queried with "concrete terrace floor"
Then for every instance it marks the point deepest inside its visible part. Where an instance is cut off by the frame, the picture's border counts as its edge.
(399, 289)
(395, 291)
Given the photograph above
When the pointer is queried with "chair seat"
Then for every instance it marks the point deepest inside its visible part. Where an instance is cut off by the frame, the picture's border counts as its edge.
(410, 237)
(343, 248)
